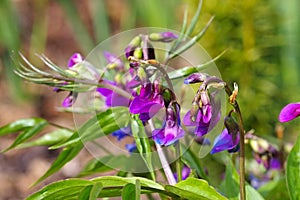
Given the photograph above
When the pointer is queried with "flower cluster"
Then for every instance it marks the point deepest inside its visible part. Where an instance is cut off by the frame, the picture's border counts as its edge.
(147, 95)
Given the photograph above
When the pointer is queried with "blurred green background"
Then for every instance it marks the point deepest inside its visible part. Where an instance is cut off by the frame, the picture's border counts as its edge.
(262, 38)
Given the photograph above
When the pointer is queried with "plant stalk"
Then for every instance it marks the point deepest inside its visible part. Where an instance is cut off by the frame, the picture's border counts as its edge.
(235, 104)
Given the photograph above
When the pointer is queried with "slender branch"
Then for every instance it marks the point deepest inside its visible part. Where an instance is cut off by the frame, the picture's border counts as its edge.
(163, 160)
(232, 95)
(92, 83)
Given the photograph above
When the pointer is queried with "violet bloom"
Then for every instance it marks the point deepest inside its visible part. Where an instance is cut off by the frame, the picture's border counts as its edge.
(186, 171)
(148, 102)
(122, 133)
(289, 112)
(226, 141)
(112, 98)
(171, 131)
(131, 147)
(75, 59)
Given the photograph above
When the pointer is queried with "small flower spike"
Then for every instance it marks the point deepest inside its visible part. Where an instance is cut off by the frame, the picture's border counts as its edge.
(74, 59)
(289, 112)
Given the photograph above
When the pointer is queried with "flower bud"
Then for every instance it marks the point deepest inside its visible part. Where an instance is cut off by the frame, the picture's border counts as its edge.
(163, 36)
(75, 59)
(195, 78)
(134, 43)
(138, 53)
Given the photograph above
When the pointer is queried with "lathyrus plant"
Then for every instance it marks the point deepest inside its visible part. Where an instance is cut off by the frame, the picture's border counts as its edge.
(169, 110)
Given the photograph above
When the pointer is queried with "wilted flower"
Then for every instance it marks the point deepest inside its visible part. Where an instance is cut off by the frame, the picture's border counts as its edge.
(171, 130)
(289, 112)
(204, 113)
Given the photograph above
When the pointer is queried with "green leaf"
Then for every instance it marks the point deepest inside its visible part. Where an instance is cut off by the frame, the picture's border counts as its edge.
(49, 139)
(100, 125)
(19, 125)
(29, 132)
(293, 171)
(111, 181)
(96, 189)
(67, 154)
(194, 163)
(275, 190)
(193, 188)
(103, 164)
(143, 145)
(60, 189)
(231, 184)
(128, 192)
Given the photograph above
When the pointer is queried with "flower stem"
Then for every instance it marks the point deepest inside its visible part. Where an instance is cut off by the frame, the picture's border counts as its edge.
(163, 160)
(178, 162)
(232, 99)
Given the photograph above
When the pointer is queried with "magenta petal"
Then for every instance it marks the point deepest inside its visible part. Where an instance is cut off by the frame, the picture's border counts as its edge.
(74, 59)
(289, 112)
(187, 119)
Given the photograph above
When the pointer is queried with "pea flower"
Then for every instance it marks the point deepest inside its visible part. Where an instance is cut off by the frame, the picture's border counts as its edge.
(148, 102)
(229, 138)
(171, 130)
(289, 112)
(226, 141)
(112, 98)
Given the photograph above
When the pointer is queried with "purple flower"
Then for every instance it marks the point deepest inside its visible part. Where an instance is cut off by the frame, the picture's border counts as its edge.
(112, 98)
(122, 133)
(131, 147)
(257, 182)
(70, 99)
(289, 112)
(205, 117)
(74, 59)
(226, 141)
(171, 131)
(148, 102)
(185, 173)
(264, 152)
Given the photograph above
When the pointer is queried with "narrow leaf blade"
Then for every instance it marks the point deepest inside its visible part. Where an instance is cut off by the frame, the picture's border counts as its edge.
(293, 171)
